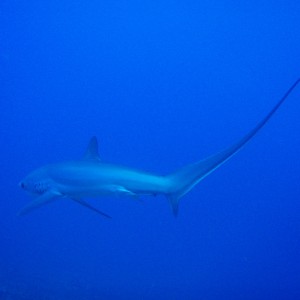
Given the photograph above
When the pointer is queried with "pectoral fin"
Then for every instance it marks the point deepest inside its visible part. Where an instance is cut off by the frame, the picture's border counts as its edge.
(39, 201)
(82, 202)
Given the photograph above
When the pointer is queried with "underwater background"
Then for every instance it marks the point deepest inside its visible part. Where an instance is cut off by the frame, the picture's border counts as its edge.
(161, 84)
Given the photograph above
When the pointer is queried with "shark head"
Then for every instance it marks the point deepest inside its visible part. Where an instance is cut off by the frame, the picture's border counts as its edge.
(36, 183)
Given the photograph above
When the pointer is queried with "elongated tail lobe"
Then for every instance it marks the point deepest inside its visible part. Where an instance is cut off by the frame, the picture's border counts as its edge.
(186, 178)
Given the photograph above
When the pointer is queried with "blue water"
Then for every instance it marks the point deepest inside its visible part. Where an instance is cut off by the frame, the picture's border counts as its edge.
(162, 84)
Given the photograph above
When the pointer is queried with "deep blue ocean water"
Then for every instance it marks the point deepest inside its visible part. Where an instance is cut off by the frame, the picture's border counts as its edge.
(161, 84)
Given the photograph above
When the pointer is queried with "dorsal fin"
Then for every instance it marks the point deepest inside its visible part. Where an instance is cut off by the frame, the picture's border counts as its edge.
(92, 150)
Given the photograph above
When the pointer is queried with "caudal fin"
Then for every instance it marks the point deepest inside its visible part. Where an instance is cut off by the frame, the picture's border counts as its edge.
(182, 181)
(186, 178)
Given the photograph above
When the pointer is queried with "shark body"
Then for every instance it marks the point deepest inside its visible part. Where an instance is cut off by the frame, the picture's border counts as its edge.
(90, 177)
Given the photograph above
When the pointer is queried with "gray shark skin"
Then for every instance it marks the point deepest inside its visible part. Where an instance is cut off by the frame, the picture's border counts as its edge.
(90, 177)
